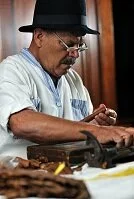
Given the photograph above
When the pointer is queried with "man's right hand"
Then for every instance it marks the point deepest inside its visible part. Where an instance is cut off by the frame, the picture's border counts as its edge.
(119, 135)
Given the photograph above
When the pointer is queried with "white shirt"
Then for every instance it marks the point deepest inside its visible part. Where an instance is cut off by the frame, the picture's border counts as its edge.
(24, 84)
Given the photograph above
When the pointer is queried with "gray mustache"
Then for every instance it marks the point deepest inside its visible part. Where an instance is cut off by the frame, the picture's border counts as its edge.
(68, 61)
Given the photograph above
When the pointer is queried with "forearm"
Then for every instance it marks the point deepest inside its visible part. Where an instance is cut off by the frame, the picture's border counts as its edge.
(42, 128)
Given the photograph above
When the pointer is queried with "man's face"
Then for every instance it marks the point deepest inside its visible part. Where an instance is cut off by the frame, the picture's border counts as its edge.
(53, 54)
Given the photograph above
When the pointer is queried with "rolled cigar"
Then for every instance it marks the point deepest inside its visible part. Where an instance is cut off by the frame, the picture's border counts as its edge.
(92, 116)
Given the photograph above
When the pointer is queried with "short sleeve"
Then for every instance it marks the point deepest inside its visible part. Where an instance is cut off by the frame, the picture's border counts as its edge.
(15, 92)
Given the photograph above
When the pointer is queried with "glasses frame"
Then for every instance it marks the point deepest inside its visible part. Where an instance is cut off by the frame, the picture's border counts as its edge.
(71, 49)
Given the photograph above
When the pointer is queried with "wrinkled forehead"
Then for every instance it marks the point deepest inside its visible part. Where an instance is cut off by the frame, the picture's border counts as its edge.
(70, 34)
(65, 33)
(75, 34)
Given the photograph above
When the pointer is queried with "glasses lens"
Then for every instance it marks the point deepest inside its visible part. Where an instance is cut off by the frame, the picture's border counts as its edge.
(72, 49)
(82, 47)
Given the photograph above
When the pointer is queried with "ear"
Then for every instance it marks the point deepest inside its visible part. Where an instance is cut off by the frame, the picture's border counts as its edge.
(38, 36)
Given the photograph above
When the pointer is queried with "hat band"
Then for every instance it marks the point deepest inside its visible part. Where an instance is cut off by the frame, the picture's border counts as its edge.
(59, 19)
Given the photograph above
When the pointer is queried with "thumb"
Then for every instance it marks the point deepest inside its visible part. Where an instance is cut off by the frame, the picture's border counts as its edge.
(101, 106)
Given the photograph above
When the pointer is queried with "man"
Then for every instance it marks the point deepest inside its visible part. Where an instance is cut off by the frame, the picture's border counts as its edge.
(42, 99)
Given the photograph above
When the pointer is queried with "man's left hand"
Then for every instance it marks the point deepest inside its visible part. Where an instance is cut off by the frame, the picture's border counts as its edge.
(105, 118)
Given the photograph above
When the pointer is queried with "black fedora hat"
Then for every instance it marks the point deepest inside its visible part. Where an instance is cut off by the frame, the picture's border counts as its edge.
(66, 15)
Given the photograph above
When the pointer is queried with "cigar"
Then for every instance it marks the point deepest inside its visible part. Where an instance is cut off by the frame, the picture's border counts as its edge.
(92, 116)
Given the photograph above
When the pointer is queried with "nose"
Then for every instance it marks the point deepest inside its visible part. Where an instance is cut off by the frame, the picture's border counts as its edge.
(74, 53)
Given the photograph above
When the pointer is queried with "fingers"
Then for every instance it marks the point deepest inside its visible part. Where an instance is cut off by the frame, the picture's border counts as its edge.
(130, 130)
(103, 119)
(111, 113)
(126, 138)
(116, 134)
(111, 120)
(108, 112)
(106, 118)
(93, 122)
(121, 141)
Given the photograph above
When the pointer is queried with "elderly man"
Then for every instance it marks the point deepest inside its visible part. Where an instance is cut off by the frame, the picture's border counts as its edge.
(42, 99)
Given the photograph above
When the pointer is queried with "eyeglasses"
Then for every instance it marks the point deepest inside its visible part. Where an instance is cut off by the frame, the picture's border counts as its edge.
(81, 47)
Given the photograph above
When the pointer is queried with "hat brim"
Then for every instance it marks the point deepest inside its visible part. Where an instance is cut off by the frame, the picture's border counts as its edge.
(82, 30)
